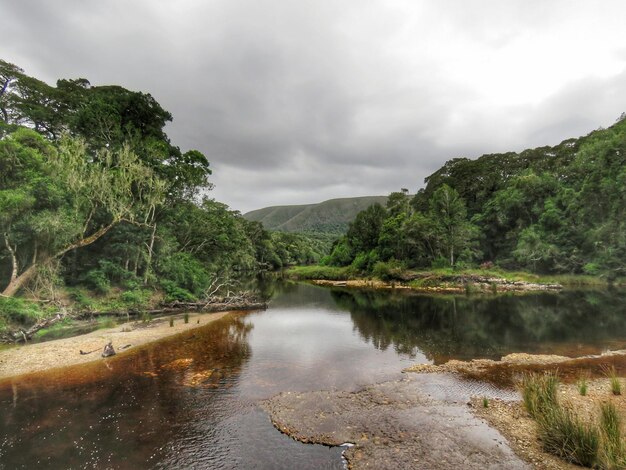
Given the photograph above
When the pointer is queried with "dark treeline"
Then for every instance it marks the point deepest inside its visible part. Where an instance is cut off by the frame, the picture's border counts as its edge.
(554, 209)
(93, 193)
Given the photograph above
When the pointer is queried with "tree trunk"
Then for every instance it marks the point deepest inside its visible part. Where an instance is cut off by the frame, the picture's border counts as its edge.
(149, 260)
(13, 258)
(21, 280)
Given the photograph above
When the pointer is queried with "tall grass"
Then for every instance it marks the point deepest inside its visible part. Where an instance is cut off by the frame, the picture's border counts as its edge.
(563, 433)
(539, 393)
(612, 455)
(616, 386)
(560, 431)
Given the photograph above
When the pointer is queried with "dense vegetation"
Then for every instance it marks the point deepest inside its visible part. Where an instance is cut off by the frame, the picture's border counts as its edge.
(551, 210)
(93, 195)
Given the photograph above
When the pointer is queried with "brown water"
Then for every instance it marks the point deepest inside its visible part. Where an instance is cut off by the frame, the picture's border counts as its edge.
(191, 401)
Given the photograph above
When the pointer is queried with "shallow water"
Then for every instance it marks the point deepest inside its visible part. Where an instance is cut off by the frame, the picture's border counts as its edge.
(192, 401)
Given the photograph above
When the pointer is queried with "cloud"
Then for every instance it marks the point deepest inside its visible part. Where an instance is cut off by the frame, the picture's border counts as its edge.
(298, 102)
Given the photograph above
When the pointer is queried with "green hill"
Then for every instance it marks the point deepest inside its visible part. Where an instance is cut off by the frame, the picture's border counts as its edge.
(332, 216)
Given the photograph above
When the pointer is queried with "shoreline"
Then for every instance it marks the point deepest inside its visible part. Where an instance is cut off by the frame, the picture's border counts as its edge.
(446, 400)
(65, 352)
(482, 286)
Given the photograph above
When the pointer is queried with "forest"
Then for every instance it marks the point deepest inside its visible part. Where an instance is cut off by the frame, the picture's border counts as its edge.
(557, 209)
(95, 198)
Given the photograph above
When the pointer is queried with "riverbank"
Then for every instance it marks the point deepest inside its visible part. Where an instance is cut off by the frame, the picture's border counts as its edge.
(465, 281)
(472, 411)
(65, 352)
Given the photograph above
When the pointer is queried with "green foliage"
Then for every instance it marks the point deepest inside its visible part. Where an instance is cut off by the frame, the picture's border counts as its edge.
(539, 393)
(388, 270)
(582, 386)
(15, 310)
(613, 453)
(186, 271)
(564, 434)
(616, 386)
(561, 432)
(136, 298)
(175, 293)
(98, 280)
(331, 273)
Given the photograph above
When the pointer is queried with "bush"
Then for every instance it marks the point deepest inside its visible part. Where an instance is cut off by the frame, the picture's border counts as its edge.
(136, 298)
(593, 269)
(185, 272)
(14, 310)
(174, 293)
(388, 271)
(98, 280)
(440, 263)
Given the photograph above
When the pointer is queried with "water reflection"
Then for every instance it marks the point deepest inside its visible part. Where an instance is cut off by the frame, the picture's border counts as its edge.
(570, 323)
(191, 401)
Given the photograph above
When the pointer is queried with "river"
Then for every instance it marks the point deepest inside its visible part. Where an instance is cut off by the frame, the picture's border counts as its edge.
(192, 401)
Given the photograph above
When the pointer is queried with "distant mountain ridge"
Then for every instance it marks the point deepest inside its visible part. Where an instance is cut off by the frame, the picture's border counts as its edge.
(332, 216)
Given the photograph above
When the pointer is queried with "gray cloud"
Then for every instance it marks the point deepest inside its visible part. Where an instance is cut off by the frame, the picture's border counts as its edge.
(297, 102)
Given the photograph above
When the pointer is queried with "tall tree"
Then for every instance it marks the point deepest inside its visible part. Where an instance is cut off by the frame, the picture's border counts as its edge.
(51, 198)
(450, 216)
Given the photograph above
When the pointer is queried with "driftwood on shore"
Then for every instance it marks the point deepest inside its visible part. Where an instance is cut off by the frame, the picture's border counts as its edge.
(244, 301)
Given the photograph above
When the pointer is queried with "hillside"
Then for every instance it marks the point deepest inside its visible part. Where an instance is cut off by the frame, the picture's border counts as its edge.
(332, 216)
(554, 209)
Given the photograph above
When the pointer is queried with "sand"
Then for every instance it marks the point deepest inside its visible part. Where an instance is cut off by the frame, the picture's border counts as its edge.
(66, 352)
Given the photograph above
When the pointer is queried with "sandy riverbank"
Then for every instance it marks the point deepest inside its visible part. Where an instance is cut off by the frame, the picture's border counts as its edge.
(66, 352)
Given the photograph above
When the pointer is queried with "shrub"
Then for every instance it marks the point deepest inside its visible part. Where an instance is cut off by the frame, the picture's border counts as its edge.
(389, 270)
(186, 272)
(15, 310)
(98, 280)
(174, 293)
(136, 298)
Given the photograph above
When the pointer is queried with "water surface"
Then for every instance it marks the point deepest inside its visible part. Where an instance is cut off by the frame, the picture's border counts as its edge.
(192, 401)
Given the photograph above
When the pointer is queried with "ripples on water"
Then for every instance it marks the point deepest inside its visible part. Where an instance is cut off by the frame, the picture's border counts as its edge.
(191, 401)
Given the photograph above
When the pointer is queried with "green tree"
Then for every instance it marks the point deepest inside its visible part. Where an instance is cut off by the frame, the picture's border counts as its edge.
(50, 199)
(454, 231)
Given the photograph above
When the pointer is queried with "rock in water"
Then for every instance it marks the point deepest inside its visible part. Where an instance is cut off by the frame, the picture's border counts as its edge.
(108, 350)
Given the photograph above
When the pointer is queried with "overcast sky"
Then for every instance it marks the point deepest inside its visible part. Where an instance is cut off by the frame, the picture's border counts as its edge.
(301, 101)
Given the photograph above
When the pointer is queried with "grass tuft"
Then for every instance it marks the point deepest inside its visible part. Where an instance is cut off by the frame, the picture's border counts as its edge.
(612, 455)
(616, 386)
(539, 393)
(561, 432)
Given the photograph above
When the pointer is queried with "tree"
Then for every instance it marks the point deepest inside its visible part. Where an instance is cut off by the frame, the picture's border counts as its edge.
(448, 212)
(52, 196)
(364, 231)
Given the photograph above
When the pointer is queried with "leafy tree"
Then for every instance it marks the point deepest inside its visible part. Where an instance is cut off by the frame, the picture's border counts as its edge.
(454, 232)
(49, 199)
